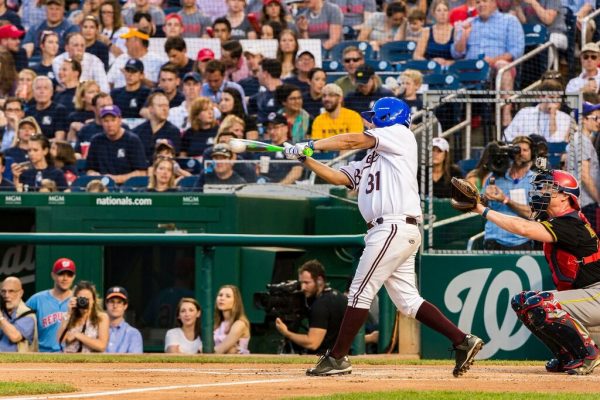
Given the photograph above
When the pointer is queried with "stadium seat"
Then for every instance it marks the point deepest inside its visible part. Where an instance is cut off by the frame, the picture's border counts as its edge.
(441, 81)
(349, 32)
(535, 34)
(332, 66)
(424, 66)
(190, 165)
(135, 184)
(380, 65)
(81, 182)
(188, 183)
(471, 74)
(7, 171)
(398, 51)
(338, 50)
(467, 164)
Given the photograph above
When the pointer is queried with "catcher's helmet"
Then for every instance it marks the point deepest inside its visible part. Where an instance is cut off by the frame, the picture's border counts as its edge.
(388, 111)
(546, 184)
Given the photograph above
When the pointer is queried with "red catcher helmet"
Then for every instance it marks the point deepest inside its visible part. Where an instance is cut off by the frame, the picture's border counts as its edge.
(552, 181)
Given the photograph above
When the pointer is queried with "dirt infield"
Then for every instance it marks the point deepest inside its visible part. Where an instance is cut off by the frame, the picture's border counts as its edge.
(270, 381)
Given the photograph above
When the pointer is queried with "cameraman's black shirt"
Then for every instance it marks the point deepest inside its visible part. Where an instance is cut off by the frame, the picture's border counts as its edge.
(326, 312)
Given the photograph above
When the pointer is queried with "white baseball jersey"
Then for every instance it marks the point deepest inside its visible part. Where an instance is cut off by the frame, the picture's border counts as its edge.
(386, 178)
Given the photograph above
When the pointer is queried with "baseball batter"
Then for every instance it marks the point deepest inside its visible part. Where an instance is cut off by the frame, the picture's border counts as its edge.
(388, 199)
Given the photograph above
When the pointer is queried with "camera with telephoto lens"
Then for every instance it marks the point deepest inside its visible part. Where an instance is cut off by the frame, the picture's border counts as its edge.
(283, 300)
(500, 157)
(82, 303)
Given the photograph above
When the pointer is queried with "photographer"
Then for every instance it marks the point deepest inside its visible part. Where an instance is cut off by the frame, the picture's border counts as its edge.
(326, 310)
(85, 327)
(17, 321)
(507, 190)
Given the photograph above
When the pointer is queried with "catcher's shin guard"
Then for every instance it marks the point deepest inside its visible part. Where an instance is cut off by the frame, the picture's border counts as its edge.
(562, 356)
(547, 316)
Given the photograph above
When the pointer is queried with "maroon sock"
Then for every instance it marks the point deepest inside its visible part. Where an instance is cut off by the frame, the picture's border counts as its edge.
(431, 316)
(354, 318)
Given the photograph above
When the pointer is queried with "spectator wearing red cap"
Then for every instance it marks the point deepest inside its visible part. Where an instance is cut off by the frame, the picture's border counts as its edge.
(173, 26)
(10, 40)
(202, 59)
(51, 305)
(194, 22)
(123, 338)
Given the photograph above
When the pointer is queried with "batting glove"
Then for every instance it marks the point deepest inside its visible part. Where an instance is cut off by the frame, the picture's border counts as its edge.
(291, 152)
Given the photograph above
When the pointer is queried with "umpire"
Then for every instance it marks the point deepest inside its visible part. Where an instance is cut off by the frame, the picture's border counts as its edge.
(559, 317)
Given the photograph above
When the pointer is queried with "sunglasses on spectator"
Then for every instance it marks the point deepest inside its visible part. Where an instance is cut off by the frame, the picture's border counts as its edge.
(348, 60)
(589, 56)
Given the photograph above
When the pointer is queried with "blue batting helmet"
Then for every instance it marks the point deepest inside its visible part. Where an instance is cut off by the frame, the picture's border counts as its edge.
(388, 111)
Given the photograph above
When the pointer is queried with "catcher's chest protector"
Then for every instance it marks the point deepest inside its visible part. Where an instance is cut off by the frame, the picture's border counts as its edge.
(564, 265)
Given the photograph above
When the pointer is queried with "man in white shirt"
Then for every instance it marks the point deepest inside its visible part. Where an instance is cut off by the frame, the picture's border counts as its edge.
(178, 116)
(545, 119)
(589, 79)
(92, 68)
(137, 48)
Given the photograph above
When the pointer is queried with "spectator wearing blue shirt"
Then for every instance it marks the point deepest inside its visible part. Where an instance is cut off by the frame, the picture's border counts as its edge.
(5, 184)
(123, 338)
(116, 153)
(68, 74)
(132, 97)
(157, 127)
(55, 21)
(51, 305)
(269, 77)
(214, 75)
(17, 321)
(499, 37)
(51, 116)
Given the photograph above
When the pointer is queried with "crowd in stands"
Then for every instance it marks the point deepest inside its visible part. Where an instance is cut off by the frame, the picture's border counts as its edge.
(73, 318)
(99, 95)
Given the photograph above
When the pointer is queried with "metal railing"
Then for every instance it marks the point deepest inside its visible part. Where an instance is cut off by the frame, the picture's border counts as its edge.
(584, 24)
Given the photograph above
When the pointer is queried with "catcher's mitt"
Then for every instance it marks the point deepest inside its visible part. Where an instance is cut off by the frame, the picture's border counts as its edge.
(465, 195)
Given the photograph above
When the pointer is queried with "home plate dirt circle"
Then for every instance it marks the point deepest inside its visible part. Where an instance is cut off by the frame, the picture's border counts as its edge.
(273, 381)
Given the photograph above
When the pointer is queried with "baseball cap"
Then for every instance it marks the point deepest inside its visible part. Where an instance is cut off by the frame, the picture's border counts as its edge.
(363, 74)
(267, 2)
(134, 65)
(192, 75)
(441, 144)
(252, 50)
(205, 55)
(332, 88)
(118, 292)
(10, 32)
(113, 110)
(274, 118)
(590, 47)
(221, 149)
(303, 52)
(163, 144)
(31, 121)
(59, 2)
(176, 16)
(590, 107)
(62, 265)
(135, 33)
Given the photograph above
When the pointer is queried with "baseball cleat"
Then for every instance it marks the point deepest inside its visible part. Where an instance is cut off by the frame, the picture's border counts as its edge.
(327, 366)
(586, 368)
(465, 353)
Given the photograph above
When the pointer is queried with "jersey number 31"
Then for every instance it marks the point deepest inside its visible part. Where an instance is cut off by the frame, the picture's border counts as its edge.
(373, 182)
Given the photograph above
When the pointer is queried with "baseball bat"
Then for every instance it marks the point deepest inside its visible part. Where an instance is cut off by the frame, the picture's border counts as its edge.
(240, 145)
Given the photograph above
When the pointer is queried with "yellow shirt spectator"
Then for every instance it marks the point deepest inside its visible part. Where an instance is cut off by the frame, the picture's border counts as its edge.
(348, 121)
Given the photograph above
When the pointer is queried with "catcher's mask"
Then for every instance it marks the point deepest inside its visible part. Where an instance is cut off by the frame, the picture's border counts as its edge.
(546, 185)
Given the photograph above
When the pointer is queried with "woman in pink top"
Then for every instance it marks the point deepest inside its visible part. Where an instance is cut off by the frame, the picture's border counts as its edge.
(232, 328)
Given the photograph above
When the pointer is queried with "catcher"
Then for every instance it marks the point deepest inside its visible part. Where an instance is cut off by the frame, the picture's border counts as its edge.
(558, 317)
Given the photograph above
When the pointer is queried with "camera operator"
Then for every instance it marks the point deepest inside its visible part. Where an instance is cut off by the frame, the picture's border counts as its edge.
(326, 310)
(17, 321)
(85, 327)
(507, 190)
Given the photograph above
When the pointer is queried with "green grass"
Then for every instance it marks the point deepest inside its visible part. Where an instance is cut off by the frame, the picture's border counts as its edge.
(25, 388)
(232, 359)
(447, 395)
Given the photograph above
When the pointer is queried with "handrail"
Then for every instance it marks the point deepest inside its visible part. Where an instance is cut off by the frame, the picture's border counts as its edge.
(584, 23)
(472, 240)
(551, 54)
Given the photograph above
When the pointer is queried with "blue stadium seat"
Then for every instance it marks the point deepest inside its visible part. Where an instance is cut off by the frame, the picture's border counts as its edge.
(535, 34)
(7, 171)
(441, 81)
(81, 182)
(424, 66)
(332, 66)
(188, 183)
(349, 32)
(380, 65)
(471, 74)
(467, 164)
(557, 147)
(397, 51)
(135, 184)
(190, 165)
(337, 51)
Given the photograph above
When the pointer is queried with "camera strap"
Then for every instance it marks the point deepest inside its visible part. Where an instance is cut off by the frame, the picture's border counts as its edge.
(82, 331)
